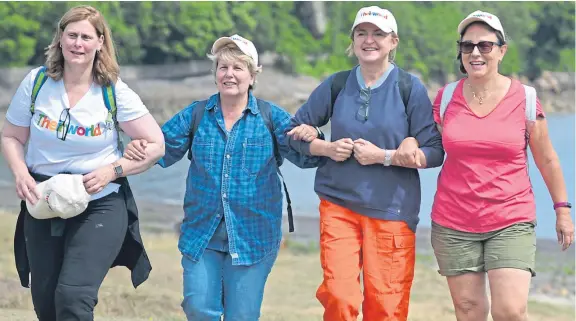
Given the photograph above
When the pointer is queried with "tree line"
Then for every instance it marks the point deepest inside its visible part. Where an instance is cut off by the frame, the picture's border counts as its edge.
(541, 33)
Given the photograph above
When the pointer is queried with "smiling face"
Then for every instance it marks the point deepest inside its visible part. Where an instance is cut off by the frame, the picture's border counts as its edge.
(80, 42)
(233, 77)
(481, 50)
(371, 44)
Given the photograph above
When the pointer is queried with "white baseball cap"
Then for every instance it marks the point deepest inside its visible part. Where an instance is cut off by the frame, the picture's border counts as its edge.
(62, 196)
(486, 17)
(377, 16)
(245, 45)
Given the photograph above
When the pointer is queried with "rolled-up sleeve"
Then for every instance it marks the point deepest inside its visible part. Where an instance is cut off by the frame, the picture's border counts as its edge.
(177, 136)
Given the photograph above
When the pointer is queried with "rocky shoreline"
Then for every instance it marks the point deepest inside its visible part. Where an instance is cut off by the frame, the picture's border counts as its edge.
(167, 89)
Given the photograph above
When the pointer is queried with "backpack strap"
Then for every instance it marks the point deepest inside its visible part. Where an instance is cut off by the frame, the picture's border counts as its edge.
(39, 81)
(337, 85)
(405, 86)
(266, 112)
(531, 112)
(446, 98)
(197, 114)
(530, 103)
(340, 78)
(109, 96)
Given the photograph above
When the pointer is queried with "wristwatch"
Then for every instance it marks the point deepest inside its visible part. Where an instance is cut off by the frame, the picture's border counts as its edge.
(562, 204)
(387, 158)
(117, 169)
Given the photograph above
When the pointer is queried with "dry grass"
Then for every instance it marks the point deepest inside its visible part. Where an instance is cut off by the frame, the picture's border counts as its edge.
(289, 294)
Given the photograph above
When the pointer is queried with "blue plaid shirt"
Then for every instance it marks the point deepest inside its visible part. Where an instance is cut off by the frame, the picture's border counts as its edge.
(232, 174)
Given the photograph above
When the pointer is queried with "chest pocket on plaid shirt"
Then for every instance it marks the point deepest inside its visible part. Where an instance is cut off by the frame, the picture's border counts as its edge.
(203, 152)
(256, 152)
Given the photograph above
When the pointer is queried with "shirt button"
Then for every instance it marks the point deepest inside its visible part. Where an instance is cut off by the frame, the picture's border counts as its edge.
(218, 215)
(228, 156)
(225, 175)
(224, 195)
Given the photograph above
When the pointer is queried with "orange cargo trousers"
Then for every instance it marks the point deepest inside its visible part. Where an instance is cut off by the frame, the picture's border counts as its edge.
(383, 250)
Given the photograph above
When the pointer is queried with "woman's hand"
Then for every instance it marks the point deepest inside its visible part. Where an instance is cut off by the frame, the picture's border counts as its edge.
(367, 153)
(303, 132)
(95, 181)
(564, 227)
(26, 188)
(136, 150)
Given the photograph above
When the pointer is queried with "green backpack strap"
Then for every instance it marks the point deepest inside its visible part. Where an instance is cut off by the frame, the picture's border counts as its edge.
(39, 81)
(109, 95)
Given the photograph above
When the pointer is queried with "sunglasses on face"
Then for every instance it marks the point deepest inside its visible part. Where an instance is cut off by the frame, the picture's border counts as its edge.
(467, 47)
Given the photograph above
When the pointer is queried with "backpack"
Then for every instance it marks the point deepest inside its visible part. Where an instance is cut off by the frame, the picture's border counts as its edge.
(266, 112)
(108, 94)
(530, 105)
(404, 84)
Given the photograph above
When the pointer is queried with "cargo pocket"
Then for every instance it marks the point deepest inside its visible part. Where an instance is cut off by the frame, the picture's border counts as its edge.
(404, 257)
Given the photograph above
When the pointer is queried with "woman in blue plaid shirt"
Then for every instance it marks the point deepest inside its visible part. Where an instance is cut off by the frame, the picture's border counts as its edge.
(231, 232)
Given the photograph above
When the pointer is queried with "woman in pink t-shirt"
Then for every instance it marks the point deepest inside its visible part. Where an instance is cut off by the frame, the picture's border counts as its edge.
(484, 213)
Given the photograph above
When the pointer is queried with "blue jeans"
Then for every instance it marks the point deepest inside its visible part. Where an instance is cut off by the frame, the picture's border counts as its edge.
(213, 286)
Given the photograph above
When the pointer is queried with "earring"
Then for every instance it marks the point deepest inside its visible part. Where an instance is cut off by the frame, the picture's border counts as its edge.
(60, 45)
(97, 51)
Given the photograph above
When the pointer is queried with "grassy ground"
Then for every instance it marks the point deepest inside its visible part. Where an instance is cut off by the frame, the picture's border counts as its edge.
(289, 294)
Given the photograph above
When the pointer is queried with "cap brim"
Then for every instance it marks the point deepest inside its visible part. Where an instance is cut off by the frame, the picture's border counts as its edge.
(371, 21)
(464, 23)
(40, 210)
(221, 42)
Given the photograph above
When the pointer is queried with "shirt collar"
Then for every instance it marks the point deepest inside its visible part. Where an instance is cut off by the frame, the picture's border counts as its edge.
(214, 101)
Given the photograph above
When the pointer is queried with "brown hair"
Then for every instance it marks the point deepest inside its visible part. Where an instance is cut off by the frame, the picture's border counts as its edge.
(499, 35)
(105, 67)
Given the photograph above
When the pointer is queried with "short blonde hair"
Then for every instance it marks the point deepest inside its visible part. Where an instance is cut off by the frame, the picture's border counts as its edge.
(230, 52)
(105, 67)
(350, 50)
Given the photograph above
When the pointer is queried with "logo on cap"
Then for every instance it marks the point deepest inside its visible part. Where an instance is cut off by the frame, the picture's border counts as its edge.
(244, 41)
(373, 13)
(482, 15)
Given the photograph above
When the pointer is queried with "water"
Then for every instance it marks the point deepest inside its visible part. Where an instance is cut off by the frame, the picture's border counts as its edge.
(167, 185)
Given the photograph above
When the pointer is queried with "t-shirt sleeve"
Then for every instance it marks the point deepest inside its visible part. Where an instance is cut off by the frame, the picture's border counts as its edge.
(436, 106)
(539, 111)
(19, 110)
(129, 104)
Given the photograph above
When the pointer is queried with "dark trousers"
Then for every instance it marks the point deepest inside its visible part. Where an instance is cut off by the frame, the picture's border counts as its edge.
(67, 271)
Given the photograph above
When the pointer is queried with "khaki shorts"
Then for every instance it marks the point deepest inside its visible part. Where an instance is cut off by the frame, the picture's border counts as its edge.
(462, 252)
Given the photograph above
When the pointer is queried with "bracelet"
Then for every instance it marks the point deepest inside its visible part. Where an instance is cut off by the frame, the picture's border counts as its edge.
(562, 204)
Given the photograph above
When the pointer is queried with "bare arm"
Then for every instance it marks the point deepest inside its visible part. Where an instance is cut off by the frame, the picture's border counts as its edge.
(548, 164)
(13, 140)
(147, 129)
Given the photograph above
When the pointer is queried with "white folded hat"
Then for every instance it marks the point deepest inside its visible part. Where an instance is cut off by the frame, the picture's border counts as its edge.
(62, 195)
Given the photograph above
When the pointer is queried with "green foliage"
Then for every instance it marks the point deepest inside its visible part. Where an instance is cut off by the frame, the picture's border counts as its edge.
(541, 34)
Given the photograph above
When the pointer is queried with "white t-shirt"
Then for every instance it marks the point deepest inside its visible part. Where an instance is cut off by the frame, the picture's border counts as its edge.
(91, 142)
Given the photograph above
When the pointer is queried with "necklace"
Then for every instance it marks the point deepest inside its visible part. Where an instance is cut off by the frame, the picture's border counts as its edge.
(478, 97)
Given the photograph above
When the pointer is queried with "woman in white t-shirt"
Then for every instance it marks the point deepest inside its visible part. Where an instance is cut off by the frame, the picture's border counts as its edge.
(70, 129)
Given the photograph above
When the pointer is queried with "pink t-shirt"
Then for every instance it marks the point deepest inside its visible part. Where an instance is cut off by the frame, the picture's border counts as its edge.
(484, 184)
